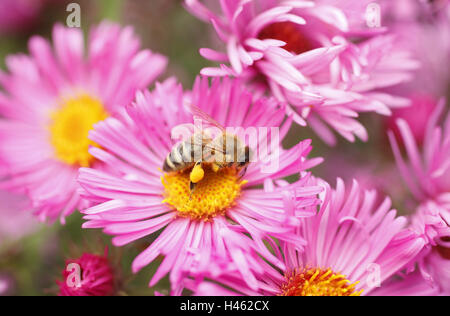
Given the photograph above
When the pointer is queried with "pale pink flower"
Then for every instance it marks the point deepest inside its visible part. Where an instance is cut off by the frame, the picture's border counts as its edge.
(424, 30)
(416, 115)
(434, 260)
(435, 267)
(15, 220)
(51, 99)
(412, 284)
(304, 53)
(135, 199)
(427, 174)
(354, 245)
(7, 284)
(411, 10)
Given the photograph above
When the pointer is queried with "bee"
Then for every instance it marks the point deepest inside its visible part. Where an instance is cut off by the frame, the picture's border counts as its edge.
(223, 151)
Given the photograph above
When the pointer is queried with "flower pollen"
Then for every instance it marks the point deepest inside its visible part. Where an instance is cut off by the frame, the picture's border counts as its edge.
(212, 196)
(70, 126)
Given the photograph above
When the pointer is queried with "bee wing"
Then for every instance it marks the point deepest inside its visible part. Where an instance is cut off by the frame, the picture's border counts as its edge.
(215, 148)
(206, 142)
(200, 139)
(197, 112)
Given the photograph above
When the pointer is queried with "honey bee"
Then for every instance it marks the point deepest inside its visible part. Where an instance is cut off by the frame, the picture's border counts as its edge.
(223, 151)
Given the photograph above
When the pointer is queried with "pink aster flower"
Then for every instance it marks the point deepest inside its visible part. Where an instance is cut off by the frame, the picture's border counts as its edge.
(305, 54)
(423, 28)
(433, 262)
(411, 10)
(412, 284)
(416, 115)
(51, 100)
(354, 245)
(15, 221)
(427, 174)
(89, 275)
(7, 285)
(434, 267)
(18, 14)
(136, 198)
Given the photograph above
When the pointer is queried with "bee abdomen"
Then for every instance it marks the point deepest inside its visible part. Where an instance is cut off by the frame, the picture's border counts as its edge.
(168, 166)
(179, 158)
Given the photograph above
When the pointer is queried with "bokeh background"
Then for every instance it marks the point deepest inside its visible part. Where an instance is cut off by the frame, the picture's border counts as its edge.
(33, 259)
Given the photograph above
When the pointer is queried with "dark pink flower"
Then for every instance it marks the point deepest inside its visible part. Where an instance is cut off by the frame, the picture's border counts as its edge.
(16, 15)
(354, 245)
(90, 275)
(135, 198)
(312, 55)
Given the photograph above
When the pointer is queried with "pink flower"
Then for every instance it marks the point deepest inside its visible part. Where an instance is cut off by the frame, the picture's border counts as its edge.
(423, 28)
(416, 115)
(431, 220)
(428, 174)
(7, 285)
(412, 284)
(96, 277)
(433, 261)
(18, 14)
(51, 100)
(136, 199)
(431, 278)
(354, 245)
(411, 10)
(15, 221)
(304, 52)
(435, 267)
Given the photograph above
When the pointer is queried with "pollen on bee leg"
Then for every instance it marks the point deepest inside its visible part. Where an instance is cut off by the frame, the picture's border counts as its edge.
(197, 174)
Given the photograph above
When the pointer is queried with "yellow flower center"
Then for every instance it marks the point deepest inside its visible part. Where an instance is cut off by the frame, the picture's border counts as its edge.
(212, 196)
(70, 126)
(318, 282)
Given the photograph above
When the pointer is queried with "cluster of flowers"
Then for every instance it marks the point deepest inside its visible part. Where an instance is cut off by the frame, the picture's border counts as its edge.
(79, 131)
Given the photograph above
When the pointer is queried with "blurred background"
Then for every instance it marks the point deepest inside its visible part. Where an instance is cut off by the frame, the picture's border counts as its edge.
(32, 255)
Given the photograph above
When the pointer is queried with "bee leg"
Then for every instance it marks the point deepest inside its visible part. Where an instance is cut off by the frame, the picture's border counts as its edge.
(191, 188)
(243, 172)
(196, 176)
